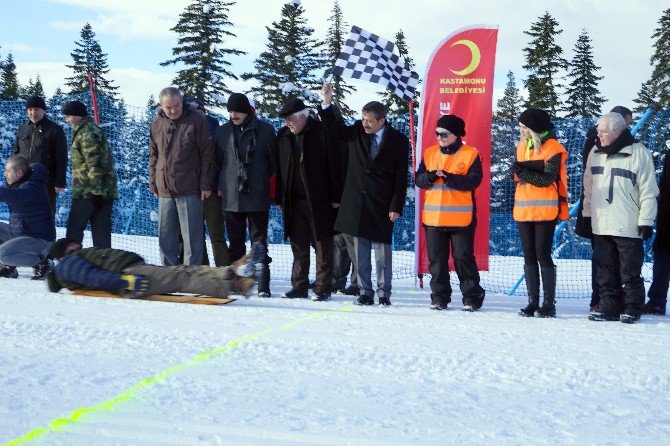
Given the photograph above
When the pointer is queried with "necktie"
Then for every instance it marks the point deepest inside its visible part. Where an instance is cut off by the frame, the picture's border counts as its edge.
(374, 147)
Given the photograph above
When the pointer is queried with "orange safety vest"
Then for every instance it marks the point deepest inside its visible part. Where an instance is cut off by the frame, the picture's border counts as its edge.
(533, 203)
(443, 206)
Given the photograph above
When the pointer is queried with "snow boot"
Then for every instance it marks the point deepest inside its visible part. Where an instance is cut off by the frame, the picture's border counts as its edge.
(41, 269)
(548, 308)
(533, 286)
(8, 272)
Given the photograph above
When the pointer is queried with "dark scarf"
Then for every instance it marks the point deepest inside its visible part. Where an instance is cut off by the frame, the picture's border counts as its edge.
(243, 165)
(453, 147)
(624, 140)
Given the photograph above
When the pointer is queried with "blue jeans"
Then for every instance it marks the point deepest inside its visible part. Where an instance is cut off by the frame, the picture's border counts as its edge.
(658, 292)
(22, 250)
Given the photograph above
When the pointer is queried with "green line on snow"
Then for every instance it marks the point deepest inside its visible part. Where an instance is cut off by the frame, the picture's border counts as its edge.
(78, 415)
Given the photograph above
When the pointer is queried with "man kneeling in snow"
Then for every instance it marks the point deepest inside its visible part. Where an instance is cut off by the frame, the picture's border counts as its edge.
(124, 272)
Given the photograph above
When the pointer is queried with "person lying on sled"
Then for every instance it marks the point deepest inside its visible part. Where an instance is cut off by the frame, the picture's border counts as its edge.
(123, 272)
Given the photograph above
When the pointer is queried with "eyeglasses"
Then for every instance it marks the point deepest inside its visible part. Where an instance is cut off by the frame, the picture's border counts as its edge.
(444, 135)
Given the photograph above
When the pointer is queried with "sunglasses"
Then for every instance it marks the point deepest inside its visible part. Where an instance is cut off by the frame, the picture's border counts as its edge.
(444, 135)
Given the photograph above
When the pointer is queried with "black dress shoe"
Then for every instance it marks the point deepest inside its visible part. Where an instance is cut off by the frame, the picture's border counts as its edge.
(384, 301)
(295, 294)
(364, 300)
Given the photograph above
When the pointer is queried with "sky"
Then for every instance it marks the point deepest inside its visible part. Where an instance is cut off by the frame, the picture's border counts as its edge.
(136, 36)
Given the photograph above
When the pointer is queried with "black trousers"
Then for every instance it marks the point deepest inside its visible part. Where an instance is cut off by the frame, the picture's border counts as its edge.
(302, 235)
(537, 238)
(236, 225)
(461, 245)
(619, 274)
(97, 211)
(213, 215)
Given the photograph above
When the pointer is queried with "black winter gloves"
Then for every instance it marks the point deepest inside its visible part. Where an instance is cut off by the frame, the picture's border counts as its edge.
(432, 176)
(645, 232)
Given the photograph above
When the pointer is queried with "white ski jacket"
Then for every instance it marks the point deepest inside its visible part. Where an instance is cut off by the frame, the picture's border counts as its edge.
(620, 191)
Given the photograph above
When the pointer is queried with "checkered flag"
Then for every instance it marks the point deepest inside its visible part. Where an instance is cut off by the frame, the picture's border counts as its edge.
(369, 57)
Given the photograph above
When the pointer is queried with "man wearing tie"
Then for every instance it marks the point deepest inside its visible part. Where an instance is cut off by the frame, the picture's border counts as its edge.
(374, 190)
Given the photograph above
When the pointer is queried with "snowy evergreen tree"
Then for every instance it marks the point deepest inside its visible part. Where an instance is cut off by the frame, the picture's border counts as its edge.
(509, 106)
(288, 67)
(393, 103)
(584, 99)
(335, 39)
(655, 92)
(203, 28)
(9, 82)
(34, 89)
(544, 63)
(88, 57)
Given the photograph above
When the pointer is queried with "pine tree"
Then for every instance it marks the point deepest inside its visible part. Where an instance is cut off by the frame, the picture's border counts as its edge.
(9, 82)
(88, 57)
(34, 89)
(394, 104)
(655, 92)
(202, 29)
(509, 106)
(544, 63)
(584, 99)
(335, 39)
(287, 68)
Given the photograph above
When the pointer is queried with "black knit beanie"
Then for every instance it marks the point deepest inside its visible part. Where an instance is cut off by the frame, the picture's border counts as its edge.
(537, 120)
(75, 108)
(452, 123)
(237, 102)
(58, 248)
(35, 102)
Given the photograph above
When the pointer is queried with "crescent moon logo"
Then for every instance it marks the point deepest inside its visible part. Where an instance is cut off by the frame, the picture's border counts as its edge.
(475, 59)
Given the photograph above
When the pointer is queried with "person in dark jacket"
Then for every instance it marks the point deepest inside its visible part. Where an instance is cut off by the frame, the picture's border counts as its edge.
(181, 173)
(658, 292)
(26, 240)
(93, 178)
(245, 148)
(42, 141)
(580, 228)
(124, 272)
(374, 190)
(451, 172)
(212, 210)
(308, 192)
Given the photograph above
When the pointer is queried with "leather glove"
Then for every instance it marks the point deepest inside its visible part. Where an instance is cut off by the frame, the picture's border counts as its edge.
(585, 230)
(137, 284)
(515, 168)
(432, 176)
(645, 232)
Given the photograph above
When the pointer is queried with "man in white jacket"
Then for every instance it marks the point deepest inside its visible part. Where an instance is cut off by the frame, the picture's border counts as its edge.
(620, 206)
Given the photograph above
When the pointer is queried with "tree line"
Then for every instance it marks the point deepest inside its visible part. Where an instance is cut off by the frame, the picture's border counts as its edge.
(294, 61)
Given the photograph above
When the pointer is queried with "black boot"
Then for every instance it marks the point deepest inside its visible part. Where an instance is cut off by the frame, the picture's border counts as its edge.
(9, 272)
(548, 308)
(533, 286)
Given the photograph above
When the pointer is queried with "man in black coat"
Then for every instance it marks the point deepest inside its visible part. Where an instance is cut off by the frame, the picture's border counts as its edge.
(658, 292)
(581, 229)
(308, 192)
(374, 190)
(245, 148)
(42, 141)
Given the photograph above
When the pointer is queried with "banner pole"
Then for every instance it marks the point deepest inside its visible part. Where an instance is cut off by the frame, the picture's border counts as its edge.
(93, 98)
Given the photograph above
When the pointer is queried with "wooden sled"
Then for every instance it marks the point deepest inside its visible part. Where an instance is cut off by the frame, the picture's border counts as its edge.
(175, 298)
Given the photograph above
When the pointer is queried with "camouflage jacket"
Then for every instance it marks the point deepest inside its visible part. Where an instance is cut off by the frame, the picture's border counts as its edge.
(92, 163)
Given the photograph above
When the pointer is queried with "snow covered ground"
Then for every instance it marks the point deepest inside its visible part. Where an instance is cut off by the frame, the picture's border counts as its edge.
(282, 372)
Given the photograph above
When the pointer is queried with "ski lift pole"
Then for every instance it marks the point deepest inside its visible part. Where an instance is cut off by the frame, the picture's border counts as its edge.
(575, 207)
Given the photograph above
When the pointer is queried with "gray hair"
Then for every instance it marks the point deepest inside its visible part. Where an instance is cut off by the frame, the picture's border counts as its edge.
(615, 121)
(18, 162)
(303, 112)
(169, 92)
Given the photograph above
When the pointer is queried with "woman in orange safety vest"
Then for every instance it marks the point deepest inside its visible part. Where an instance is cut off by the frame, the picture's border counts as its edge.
(540, 200)
(450, 172)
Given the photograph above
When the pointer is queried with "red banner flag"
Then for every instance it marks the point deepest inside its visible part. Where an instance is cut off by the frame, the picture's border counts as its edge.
(459, 81)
